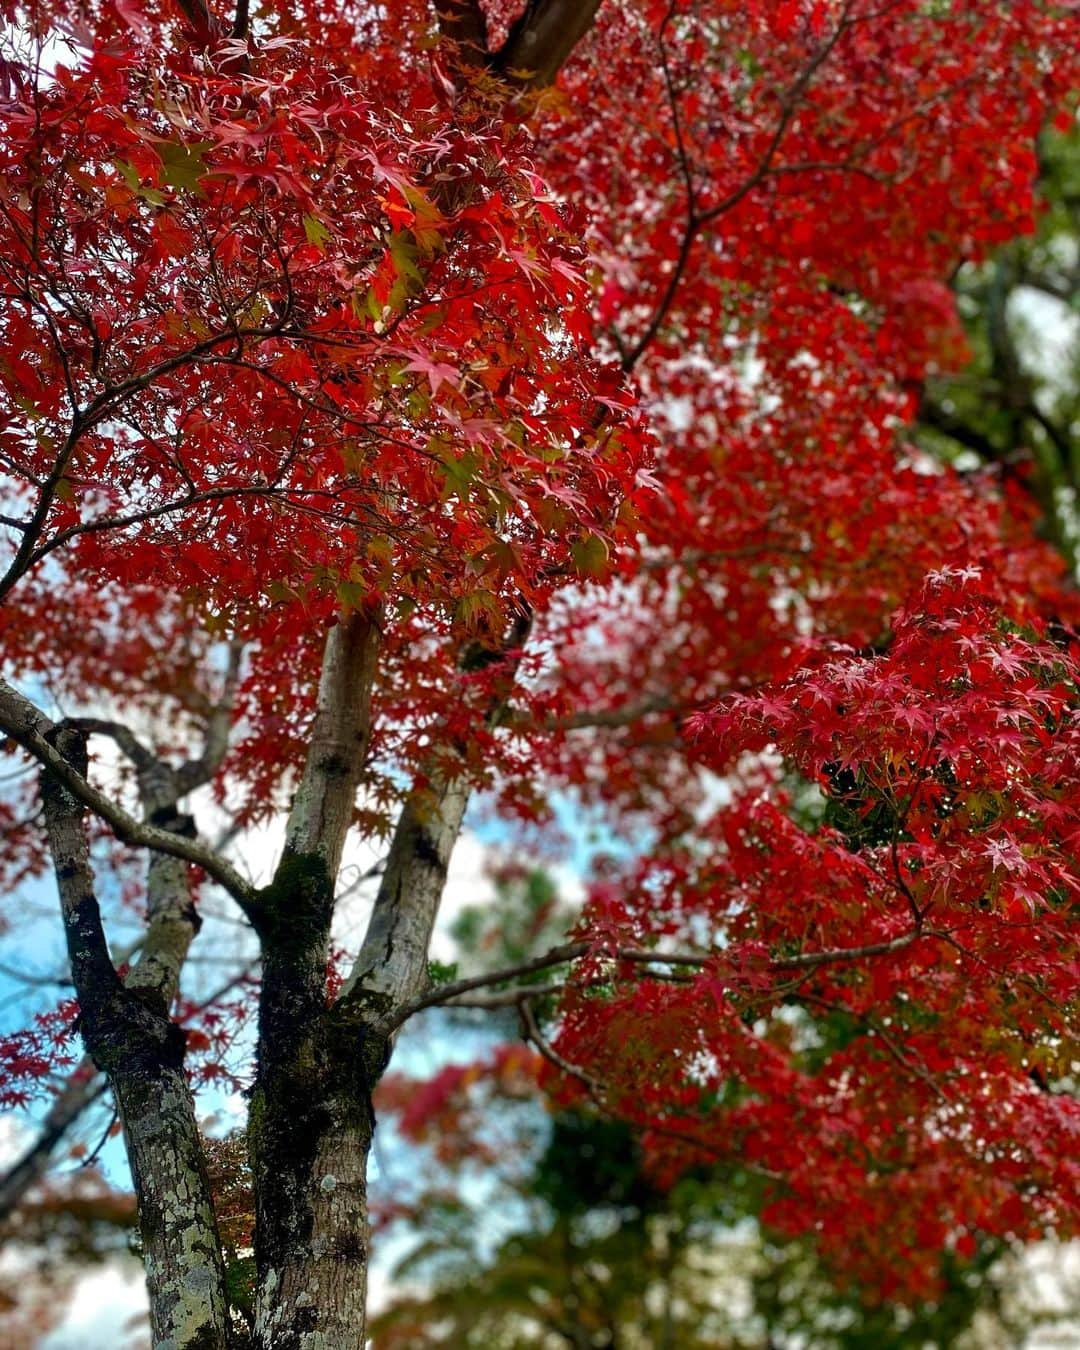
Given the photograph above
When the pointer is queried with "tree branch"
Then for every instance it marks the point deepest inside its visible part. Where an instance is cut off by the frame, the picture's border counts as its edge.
(204, 25)
(598, 1091)
(538, 43)
(542, 39)
(623, 715)
(572, 951)
(28, 726)
(463, 22)
(392, 965)
(172, 920)
(391, 969)
(322, 808)
(196, 772)
(92, 970)
(446, 993)
(505, 998)
(696, 218)
(533, 1033)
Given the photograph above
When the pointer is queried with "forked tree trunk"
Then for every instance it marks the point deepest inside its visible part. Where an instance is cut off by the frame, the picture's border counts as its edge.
(310, 1133)
(310, 1122)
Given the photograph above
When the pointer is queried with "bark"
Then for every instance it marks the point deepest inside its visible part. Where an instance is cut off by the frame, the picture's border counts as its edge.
(312, 1130)
(314, 1239)
(133, 1040)
(185, 1273)
(542, 39)
(172, 921)
(390, 972)
(171, 916)
(538, 43)
(391, 969)
(312, 1120)
(322, 809)
(310, 1124)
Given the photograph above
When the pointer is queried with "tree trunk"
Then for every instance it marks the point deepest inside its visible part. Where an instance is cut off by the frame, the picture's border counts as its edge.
(185, 1273)
(311, 1120)
(309, 1129)
(310, 1125)
(132, 1039)
(314, 1253)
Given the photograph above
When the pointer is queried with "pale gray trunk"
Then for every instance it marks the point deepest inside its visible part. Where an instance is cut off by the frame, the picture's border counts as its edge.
(393, 961)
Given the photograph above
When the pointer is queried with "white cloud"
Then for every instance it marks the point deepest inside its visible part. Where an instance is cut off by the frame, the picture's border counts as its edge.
(108, 1309)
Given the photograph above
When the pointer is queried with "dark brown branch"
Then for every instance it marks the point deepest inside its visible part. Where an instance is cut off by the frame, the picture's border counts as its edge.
(697, 218)
(584, 719)
(445, 993)
(598, 1092)
(506, 998)
(462, 21)
(533, 1033)
(103, 406)
(571, 951)
(623, 715)
(32, 530)
(542, 39)
(142, 757)
(203, 24)
(537, 45)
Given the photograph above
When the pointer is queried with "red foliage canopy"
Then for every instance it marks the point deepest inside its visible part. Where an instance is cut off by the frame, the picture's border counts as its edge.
(334, 316)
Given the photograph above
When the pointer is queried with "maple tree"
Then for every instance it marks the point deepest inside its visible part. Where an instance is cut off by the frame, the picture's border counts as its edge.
(515, 1226)
(590, 1252)
(402, 402)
